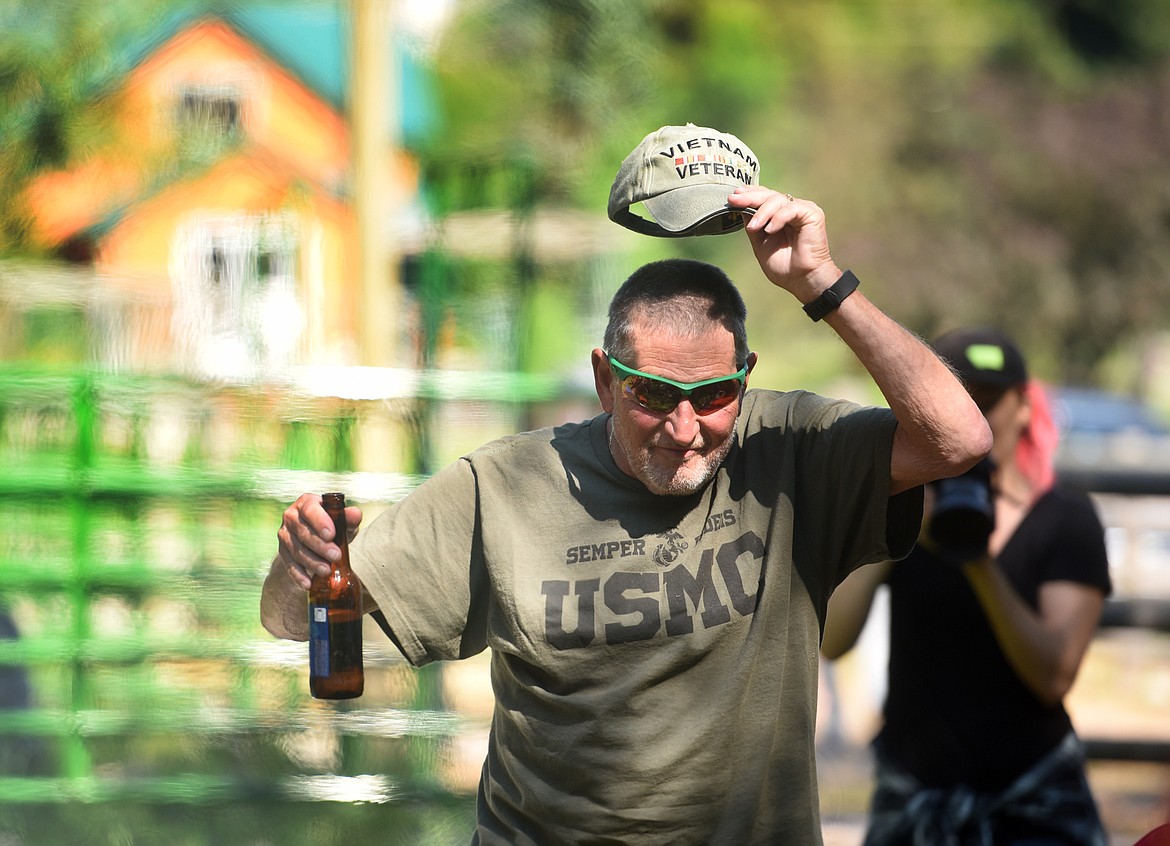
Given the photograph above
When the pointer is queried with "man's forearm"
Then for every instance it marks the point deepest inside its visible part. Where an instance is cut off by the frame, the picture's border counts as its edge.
(283, 604)
(941, 431)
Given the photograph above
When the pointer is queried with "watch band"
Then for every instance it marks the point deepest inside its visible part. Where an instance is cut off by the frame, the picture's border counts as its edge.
(832, 297)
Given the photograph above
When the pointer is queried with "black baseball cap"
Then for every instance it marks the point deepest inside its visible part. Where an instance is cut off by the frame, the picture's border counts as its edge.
(983, 358)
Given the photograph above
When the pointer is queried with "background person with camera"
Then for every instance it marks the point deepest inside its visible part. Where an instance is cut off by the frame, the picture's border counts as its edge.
(990, 617)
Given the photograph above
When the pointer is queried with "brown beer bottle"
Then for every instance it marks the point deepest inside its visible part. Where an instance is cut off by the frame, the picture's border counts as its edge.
(335, 619)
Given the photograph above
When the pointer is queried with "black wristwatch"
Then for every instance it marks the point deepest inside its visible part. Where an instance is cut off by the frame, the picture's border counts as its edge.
(832, 297)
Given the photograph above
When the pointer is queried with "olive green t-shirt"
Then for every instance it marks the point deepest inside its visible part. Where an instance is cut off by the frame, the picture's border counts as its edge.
(654, 659)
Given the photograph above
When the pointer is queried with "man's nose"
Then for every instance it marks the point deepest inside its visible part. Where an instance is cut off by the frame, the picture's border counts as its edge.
(682, 424)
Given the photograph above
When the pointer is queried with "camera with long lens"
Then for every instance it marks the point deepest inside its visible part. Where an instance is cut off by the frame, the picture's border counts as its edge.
(963, 515)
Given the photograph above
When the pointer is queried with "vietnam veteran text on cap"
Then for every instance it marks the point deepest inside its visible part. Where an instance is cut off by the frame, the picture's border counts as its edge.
(682, 176)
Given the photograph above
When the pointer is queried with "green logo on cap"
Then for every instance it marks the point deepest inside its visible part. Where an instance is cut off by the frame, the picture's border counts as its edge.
(986, 356)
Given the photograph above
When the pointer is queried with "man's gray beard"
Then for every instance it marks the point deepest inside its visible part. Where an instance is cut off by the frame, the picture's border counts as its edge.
(651, 476)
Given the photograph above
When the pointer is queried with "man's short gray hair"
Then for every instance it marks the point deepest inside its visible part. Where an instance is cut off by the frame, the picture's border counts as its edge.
(683, 295)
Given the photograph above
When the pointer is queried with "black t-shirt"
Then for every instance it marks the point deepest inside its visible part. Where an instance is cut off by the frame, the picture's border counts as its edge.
(956, 712)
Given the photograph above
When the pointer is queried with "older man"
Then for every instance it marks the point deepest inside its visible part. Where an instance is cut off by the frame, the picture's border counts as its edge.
(652, 582)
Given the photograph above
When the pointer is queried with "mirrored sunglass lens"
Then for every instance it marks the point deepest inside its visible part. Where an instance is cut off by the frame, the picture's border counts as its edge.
(663, 398)
(712, 397)
(656, 396)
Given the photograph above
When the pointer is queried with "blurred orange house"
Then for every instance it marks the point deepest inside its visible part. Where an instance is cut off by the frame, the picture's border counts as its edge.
(215, 213)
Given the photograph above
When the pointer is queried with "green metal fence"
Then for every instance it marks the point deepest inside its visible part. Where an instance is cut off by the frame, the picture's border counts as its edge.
(139, 518)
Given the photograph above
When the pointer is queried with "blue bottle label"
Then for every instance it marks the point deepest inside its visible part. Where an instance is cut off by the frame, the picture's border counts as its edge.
(318, 641)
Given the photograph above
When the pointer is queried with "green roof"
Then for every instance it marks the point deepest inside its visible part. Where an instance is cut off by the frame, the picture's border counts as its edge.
(313, 42)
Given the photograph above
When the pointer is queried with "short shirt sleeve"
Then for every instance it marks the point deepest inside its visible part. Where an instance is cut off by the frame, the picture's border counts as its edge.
(1077, 552)
(1061, 539)
(833, 469)
(421, 561)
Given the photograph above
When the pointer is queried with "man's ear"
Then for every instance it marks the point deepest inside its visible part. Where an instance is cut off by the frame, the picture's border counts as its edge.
(752, 358)
(602, 379)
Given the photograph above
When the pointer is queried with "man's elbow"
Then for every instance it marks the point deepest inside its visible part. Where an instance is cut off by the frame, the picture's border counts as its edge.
(283, 618)
(970, 443)
(278, 627)
(272, 625)
(941, 452)
(979, 444)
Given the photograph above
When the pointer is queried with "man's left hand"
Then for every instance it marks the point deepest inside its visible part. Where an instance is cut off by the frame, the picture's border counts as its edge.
(790, 240)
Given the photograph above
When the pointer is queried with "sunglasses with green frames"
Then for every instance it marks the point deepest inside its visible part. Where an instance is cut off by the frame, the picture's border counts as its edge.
(662, 395)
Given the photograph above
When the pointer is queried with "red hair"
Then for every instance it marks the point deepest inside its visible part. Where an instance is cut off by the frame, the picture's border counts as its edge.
(1036, 450)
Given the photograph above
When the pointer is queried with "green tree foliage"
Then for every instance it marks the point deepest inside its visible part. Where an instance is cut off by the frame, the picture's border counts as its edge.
(55, 56)
(548, 82)
(1002, 162)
